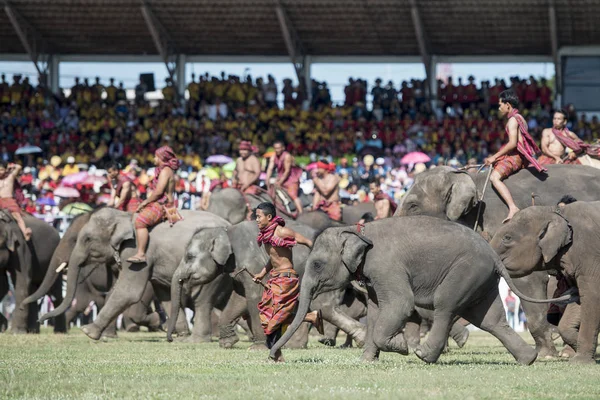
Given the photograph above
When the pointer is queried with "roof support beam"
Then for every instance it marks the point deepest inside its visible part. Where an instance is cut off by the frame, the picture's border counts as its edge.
(423, 44)
(294, 48)
(29, 37)
(554, 42)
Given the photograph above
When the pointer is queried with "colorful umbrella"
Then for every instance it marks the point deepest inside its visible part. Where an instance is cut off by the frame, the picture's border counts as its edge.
(46, 201)
(219, 159)
(229, 167)
(28, 150)
(66, 192)
(415, 157)
(75, 179)
(76, 209)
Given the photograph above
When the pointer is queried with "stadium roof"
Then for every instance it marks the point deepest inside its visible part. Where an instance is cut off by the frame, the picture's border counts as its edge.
(320, 27)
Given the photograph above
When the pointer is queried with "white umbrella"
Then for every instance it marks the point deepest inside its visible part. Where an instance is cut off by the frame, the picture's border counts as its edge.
(28, 150)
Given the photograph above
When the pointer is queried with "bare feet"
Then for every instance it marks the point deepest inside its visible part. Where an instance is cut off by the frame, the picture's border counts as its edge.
(27, 234)
(511, 213)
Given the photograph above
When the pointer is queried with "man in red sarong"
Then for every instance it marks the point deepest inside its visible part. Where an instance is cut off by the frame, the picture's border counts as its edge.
(327, 197)
(280, 298)
(384, 204)
(8, 202)
(247, 170)
(518, 153)
(152, 210)
(288, 174)
(123, 193)
(556, 141)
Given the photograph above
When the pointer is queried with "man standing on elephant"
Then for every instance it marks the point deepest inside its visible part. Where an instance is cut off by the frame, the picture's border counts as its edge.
(518, 153)
(327, 197)
(123, 193)
(288, 174)
(152, 210)
(247, 170)
(384, 204)
(8, 180)
(556, 141)
(280, 298)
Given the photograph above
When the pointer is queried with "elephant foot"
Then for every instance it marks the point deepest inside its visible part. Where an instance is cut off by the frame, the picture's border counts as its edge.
(528, 356)
(345, 346)
(461, 339)
(327, 342)
(425, 355)
(109, 335)
(132, 328)
(582, 359)
(228, 342)
(567, 352)
(258, 346)
(547, 353)
(370, 355)
(17, 331)
(360, 337)
(413, 344)
(92, 331)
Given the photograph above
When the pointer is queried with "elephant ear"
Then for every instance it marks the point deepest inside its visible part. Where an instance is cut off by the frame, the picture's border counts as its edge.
(220, 250)
(354, 249)
(121, 232)
(556, 234)
(461, 196)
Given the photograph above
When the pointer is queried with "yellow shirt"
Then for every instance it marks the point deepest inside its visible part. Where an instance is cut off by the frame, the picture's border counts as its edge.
(70, 169)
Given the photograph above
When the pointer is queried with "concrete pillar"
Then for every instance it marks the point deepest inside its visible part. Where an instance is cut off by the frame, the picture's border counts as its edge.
(54, 73)
(180, 75)
(433, 80)
(307, 62)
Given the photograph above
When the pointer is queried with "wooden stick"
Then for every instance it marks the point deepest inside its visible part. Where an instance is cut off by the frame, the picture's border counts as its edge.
(487, 180)
(251, 276)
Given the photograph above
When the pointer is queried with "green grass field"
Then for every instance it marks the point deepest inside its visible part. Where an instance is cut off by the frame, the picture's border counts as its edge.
(145, 366)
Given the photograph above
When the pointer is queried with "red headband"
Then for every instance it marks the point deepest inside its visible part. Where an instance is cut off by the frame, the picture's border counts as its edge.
(325, 166)
(245, 145)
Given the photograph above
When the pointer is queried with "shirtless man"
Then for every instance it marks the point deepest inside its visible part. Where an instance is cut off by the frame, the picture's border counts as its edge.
(327, 197)
(123, 193)
(384, 204)
(556, 141)
(288, 174)
(247, 170)
(8, 176)
(280, 298)
(518, 153)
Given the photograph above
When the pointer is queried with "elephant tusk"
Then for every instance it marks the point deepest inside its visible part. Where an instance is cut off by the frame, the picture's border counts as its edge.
(61, 267)
(358, 288)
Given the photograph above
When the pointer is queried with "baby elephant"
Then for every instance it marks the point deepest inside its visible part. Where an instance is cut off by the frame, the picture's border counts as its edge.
(414, 261)
(563, 238)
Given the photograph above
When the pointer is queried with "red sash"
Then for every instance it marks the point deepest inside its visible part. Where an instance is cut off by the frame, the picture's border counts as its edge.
(528, 149)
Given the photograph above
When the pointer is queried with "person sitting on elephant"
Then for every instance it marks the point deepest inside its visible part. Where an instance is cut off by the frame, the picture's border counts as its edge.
(247, 170)
(518, 153)
(384, 204)
(327, 197)
(8, 182)
(288, 174)
(280, 298)
(152, 210)
(123, 193)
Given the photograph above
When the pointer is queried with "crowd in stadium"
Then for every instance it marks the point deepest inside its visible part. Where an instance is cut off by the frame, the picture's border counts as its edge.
(96, 124)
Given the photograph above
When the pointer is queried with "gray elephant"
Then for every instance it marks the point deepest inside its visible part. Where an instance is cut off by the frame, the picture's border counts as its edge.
(563, 239)
(216, 251)
(27, 262)
(109, 238)
(450, 194)
(409, 271)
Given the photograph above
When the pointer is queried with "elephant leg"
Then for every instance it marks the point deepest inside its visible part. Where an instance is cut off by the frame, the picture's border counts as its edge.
(535, 285)
(243, 324)
(202, 329)
(590, 322)
(394, 310)
(330, 334)
(3, 292)
(460, 334)
(299, 339)
(437, 339)
(235, 308)
(251, 309)
(137, 315)
(33, 326)
(329, 303)
(182, 327)
(489, 315)
(568, 327)
(371, 352)
(127, 291)
(412, 331)
(60, 321)
(19, 318)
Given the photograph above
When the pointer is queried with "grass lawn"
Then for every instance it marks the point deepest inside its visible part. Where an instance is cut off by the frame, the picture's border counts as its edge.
(145, 366)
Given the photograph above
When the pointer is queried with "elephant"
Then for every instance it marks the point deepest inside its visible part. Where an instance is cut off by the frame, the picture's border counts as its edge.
(27, 262)
(453, 195)
(459, 280)
(109, 238)
(560, 238)
(216, 251)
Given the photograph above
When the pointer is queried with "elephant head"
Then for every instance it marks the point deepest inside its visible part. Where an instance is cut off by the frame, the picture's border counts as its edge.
(531, 240)
(441, 192)
(207, 255)
(228, 204)
(337, 255)
(98, 242)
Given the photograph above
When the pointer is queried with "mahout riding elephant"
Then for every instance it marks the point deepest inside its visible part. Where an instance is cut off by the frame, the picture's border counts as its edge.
(562, 238)
(408, 271)
(27, 262)
(109, 238)
(453, 195)
(94, 283)
(216, 251)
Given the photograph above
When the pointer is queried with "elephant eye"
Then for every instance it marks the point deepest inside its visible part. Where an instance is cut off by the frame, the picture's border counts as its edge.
(189, 257)
(506, 238)
(317, 266)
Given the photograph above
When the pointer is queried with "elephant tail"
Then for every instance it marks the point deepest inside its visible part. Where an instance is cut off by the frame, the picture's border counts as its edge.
(570, 296)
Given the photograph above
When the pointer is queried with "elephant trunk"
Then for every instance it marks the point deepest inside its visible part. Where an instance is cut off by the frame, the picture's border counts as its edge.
(176, 303)
(52, 273)
(72, 277)
(569, 297)
(305, 299)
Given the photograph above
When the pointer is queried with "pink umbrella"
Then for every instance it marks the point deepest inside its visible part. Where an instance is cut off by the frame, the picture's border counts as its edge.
(92, 179)
(75, 179)
(65, 192)
(311, 166)
(415, 157)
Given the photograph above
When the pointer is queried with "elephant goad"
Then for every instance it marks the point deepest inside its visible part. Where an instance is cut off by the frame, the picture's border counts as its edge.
(446, 193)
(27, 262)
(408, 271)
(563, 239)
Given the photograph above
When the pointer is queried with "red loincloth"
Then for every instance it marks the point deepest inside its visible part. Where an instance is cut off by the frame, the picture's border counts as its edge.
(545, 160)
(130, 205)
(332, 208)
(10, 204)
(253, 189)
(278, 304)
(509, 164)
(150, 215)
